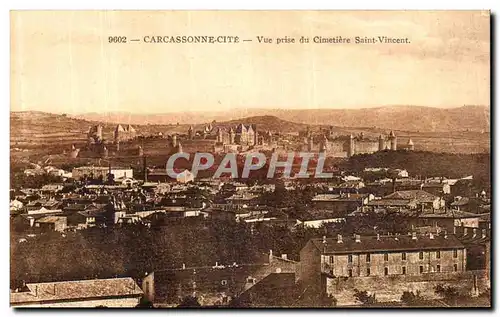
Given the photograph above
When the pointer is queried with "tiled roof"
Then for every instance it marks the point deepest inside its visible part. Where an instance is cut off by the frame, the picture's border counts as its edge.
(50, 219)
(387, 243)
(76, 290)
(391, 202)
(420, 195)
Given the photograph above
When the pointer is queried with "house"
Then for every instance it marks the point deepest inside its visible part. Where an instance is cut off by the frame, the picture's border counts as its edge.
(114, 292)
(52, 223)
(101, 171)
(16, 205)
(450, 219)
(317, 217)
(438, 189)
(344, 202)
(420, 198)
(213, 284)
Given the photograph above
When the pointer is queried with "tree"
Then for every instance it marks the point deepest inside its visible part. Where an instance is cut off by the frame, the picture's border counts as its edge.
(189, 301)
(448, 293)
(364, 298)
(412, 299)
(144, 303)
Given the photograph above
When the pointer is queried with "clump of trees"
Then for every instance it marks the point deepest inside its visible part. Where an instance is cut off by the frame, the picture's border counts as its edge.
(189, 301)
(426, 164)
(412, 299)
(364, 297)
(449, 294)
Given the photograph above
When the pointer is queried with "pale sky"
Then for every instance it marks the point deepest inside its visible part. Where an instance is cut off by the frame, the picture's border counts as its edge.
(61, 61)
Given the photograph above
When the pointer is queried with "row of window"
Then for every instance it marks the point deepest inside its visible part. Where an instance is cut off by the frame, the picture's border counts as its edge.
(403, 270)
(403, 256)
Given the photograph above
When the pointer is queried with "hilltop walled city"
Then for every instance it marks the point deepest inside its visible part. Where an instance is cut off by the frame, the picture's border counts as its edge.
(99, 222)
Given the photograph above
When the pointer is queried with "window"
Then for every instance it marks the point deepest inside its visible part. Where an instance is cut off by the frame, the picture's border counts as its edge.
(438, 254)
(403, 256)
(349, 258)
(421, 255)
(455, 253)
(330, 259)
(455, 267)
(386, 256)
(368, 272)
(438, 268)
(350, 273)
(403, 270)
(421, 269)
(386, 271)
(368, 257)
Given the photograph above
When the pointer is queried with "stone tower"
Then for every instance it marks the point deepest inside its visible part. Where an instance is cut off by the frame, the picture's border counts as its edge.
(231, 136)
(350, 147)
(174, 140)
(324, 144)
(381, 143)
(219, 135)
(394, 141)
(410, 145)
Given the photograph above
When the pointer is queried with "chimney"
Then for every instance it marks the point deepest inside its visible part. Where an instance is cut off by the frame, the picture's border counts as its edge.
(446, 234)
(183, 266)
(145, 169)
(270, 256)
(454, 230)
(483, 233)
(358, 238)
(339, 238)
(431, 236)
(378, 236)
(414, 236)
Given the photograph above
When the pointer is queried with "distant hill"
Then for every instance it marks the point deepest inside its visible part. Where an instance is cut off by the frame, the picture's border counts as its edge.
(405, 118)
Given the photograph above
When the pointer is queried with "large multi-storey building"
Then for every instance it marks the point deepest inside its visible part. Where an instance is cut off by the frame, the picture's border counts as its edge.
(382, 255)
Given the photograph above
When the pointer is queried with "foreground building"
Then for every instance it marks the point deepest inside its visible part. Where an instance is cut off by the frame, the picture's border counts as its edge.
(114, 292)
(384, 265)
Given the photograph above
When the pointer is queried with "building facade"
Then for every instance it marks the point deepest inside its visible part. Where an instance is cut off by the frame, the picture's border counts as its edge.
(381, 256)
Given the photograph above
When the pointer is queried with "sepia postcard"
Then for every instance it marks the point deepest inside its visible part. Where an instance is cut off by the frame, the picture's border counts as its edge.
(250, 159)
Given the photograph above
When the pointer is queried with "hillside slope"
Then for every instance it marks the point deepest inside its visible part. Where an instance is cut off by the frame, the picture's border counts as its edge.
(405, 118)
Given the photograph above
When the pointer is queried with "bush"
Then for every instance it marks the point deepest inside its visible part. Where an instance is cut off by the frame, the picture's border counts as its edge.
(364, 298)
